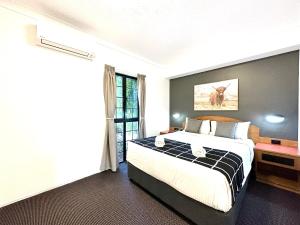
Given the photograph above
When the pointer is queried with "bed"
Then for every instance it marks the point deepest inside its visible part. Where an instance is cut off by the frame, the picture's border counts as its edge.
(201, 193)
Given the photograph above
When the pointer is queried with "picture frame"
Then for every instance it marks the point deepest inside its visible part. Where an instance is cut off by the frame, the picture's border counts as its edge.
(216, 96)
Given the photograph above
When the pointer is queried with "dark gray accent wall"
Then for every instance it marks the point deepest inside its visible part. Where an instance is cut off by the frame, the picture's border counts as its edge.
(268, 85)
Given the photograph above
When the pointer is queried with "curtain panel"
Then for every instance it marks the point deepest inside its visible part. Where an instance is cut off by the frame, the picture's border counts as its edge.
(109, 155)
(141, 84)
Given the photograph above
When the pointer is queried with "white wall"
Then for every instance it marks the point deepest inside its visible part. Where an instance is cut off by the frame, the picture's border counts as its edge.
(52, 109)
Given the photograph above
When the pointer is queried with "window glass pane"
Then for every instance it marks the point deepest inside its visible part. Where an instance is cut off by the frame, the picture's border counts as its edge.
(119, 127)
(129, 103)
(135, 113)
(119, 113)
(135, 103)
(119, 81)
(129, 92)
(128, 135)
(134, 93)
(120, 102)
(128, 126)
(135, 125)
(119, 137)
(120, 151)
(128, 113)
(134, 134)
(119, 92)
(134, 87)
(128, 82)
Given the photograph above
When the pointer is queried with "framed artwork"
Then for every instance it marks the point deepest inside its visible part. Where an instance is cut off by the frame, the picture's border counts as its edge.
(222, 95)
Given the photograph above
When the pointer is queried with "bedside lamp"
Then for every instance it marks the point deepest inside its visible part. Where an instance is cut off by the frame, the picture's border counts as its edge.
(176, 116)
(274, 118)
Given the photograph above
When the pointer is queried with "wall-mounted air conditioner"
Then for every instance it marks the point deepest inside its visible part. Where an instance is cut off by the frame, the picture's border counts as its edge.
(62, 43)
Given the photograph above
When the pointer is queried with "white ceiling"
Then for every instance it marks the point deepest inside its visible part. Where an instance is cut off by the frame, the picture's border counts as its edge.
(183, 34)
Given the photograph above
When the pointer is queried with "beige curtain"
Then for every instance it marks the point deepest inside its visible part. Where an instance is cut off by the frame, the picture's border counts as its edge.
(141, 83)
(109, 156)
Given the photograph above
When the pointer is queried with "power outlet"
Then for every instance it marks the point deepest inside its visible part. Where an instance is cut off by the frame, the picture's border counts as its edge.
(275, 142)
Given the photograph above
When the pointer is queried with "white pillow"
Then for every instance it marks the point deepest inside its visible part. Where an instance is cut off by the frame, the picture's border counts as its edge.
(213, 125)
(241, 131)
(205, 127)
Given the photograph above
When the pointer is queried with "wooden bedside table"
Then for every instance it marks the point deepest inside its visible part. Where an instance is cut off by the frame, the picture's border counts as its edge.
(171, 130)
(278, 166)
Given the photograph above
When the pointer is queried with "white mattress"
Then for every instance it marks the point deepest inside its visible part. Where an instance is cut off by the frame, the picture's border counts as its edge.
(203, 184)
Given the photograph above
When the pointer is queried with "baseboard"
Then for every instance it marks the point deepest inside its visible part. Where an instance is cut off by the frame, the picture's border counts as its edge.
(47, 189)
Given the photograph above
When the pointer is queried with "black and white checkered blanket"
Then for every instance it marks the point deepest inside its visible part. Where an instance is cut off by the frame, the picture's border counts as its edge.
(227, 163)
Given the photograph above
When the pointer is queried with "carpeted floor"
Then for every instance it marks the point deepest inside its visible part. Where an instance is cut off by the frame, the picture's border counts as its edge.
(110, 198)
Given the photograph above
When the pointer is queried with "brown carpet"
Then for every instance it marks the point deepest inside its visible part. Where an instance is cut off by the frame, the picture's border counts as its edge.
(110, 198)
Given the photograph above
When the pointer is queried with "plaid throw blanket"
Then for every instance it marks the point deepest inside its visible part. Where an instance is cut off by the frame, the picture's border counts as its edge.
(227, 163)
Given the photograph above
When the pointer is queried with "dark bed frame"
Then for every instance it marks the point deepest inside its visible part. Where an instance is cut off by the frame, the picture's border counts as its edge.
(191, 209)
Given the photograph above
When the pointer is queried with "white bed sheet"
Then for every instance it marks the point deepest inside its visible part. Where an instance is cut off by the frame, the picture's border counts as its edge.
(203, 184)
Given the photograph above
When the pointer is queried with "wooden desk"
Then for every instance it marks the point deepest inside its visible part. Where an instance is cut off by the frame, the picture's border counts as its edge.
(278, 166)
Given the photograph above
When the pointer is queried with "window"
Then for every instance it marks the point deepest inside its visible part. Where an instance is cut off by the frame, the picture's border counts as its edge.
(127, 113)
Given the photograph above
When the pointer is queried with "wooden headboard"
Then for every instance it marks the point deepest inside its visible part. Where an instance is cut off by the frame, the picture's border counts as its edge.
(253, 132)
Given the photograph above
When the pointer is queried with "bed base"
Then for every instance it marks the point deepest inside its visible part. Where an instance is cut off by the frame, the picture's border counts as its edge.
(193, 210)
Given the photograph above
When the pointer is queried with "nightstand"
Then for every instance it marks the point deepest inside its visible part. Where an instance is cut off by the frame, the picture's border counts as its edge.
(171, 130)
(278, 166)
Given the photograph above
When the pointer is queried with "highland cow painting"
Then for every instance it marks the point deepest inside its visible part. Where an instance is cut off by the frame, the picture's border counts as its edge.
(222, 95)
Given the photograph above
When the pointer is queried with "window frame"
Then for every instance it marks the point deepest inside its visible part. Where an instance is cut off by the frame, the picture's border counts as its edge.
(124, 120)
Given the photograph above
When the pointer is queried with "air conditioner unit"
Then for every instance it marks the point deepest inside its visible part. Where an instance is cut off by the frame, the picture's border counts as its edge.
(65, 45)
